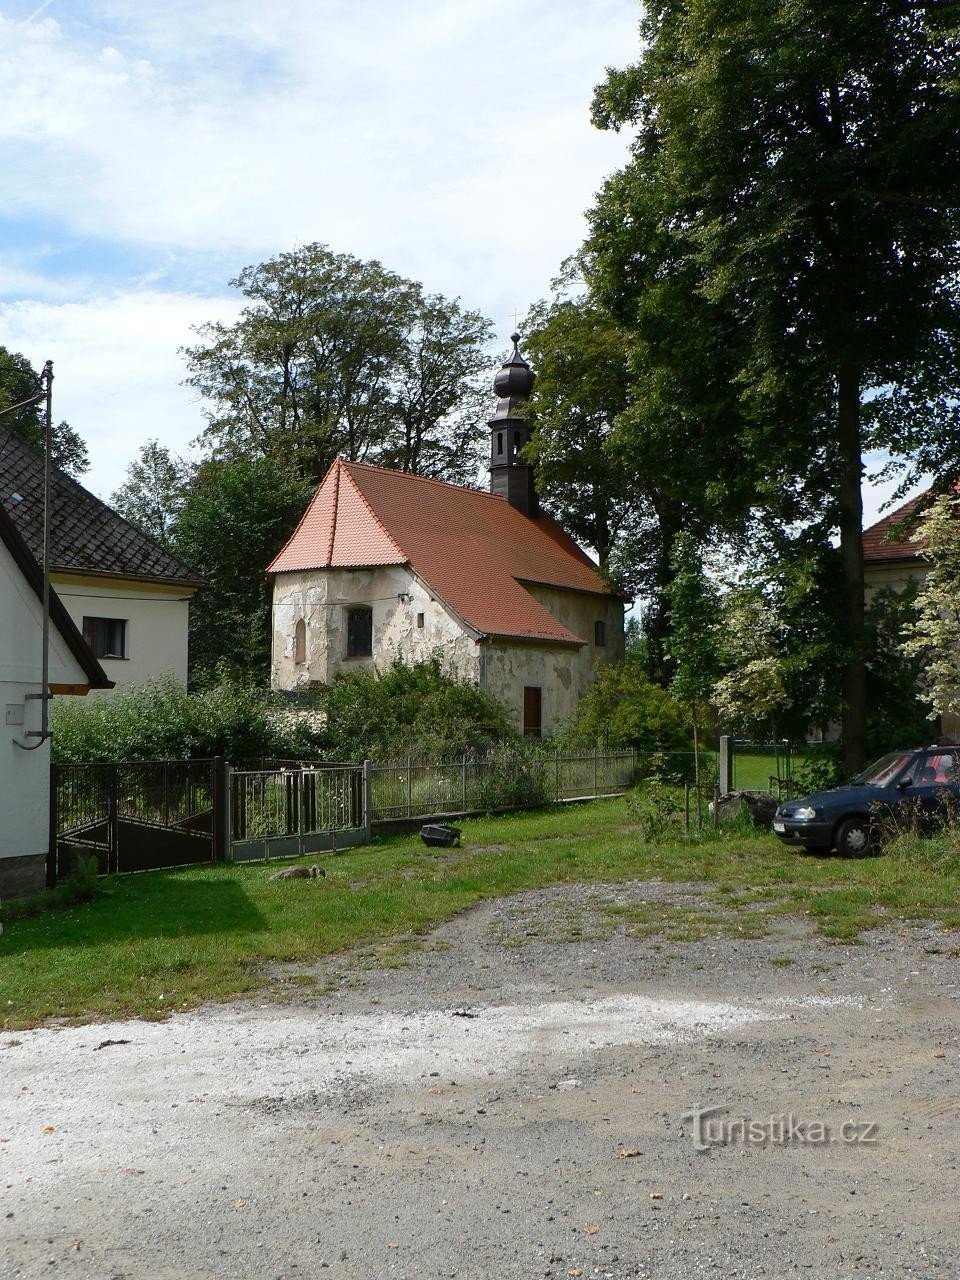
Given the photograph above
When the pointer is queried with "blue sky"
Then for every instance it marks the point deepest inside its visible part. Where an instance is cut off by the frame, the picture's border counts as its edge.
(149, 151)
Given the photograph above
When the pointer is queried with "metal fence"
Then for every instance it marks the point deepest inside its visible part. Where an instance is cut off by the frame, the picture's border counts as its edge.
(134, 816)
(167, 813)
(292, 810)
(472, 784)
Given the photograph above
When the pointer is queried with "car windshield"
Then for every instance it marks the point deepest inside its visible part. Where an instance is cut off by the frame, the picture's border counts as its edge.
(884, 770)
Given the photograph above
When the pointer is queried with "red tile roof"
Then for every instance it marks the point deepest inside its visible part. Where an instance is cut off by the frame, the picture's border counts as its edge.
(472, 549)
(889, 539)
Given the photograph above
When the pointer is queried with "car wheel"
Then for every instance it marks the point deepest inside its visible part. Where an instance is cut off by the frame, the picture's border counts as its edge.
(855, 838)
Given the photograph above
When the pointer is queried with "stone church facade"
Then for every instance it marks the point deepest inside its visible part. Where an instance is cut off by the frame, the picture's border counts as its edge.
(386, 566)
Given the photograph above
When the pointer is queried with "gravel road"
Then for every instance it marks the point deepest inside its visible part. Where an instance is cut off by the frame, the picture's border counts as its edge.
(513, 1098)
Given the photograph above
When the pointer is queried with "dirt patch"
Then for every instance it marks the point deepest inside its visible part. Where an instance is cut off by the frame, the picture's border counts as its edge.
(518, 1092)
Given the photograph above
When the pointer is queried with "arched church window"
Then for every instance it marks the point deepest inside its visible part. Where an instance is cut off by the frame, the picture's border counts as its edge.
(300, 641)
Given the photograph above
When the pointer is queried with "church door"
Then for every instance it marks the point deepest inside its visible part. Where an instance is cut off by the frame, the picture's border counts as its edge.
(532, 711)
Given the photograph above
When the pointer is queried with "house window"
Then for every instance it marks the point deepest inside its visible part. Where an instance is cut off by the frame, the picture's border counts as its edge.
(420, 621)
(107, 637)
(599, 633)
(532, 711)
(300, 641)
(359, 633)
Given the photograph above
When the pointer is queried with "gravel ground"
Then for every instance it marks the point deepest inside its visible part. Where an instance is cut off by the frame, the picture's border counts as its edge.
(509, 1098)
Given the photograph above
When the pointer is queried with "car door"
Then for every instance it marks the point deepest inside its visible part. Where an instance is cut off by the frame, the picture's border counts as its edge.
(930, 789)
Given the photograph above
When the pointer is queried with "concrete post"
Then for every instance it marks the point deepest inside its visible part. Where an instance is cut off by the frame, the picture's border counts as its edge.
(725, 779)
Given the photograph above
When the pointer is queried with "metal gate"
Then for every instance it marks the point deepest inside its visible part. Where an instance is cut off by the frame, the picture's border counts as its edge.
(134, 816)
(289, 811)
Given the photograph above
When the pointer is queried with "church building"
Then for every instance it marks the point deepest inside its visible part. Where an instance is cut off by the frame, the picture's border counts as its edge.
(385, 565)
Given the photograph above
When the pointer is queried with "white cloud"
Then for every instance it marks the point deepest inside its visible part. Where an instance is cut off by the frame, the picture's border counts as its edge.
(453, 137)
(117, 371)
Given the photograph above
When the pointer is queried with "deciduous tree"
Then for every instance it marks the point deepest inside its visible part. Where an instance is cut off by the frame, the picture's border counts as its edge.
(795, 178)
(335, 356)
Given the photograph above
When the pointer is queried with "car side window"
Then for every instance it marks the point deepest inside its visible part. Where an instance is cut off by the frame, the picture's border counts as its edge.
(933, 770)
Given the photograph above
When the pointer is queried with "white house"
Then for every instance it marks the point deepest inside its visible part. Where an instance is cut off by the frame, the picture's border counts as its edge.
(387, 565)
(24, 756)
(128, 596)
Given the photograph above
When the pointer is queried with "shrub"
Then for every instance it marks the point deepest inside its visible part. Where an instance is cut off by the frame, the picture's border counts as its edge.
(161, 720)
(418, 710)
(624, 708)
(514, 773)
(657, 809)
(820, 769)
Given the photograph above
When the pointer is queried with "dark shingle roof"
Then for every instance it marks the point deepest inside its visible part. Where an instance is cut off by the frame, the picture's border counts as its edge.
(86, 536)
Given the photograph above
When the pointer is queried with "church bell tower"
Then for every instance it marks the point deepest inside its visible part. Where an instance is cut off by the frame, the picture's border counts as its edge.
(510, 477)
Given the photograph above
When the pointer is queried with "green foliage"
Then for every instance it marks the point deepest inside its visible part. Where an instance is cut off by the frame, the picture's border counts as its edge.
(161, 720)
(514, 773)
(820, 768)
(153, 494)
(582, 364)
(417, 710)
(235, 517)
(785, 241)
(694, 604)
(335, 356)
(932, 639)
(656, 806)
(897, 714)
(19, 382)
(623, 708)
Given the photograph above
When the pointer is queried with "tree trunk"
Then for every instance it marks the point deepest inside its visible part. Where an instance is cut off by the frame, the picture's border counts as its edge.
(854, 718)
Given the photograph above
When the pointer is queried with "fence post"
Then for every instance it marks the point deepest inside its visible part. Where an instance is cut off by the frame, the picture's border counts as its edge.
(463, 771)
(596, 772)
(54, 826)
(219, 833)
(113, 787)
(409, 788)
(367, 799)
(725, 771)
(557, 790)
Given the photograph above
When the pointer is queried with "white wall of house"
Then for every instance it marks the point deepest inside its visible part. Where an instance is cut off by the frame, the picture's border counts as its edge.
(156, 621)
(408, 623)
(896, 576)
(25, 775)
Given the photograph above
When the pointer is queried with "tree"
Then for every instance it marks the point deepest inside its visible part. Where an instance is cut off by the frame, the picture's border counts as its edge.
(20, 382)
(694, 603)
(933, 638)
(334, 356)
(796, 176)
(754, 689)
(236, 515)
(583, 376)
(624, 708)
(154, 492)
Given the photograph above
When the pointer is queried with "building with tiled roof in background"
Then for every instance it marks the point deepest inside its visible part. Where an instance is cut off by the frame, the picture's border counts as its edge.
(385, 565)
(892, 560)
(128, 596)
(891, 553)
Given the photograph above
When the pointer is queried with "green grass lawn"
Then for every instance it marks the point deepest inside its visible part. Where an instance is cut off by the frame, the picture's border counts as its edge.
(753, 772)
(160, 941)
